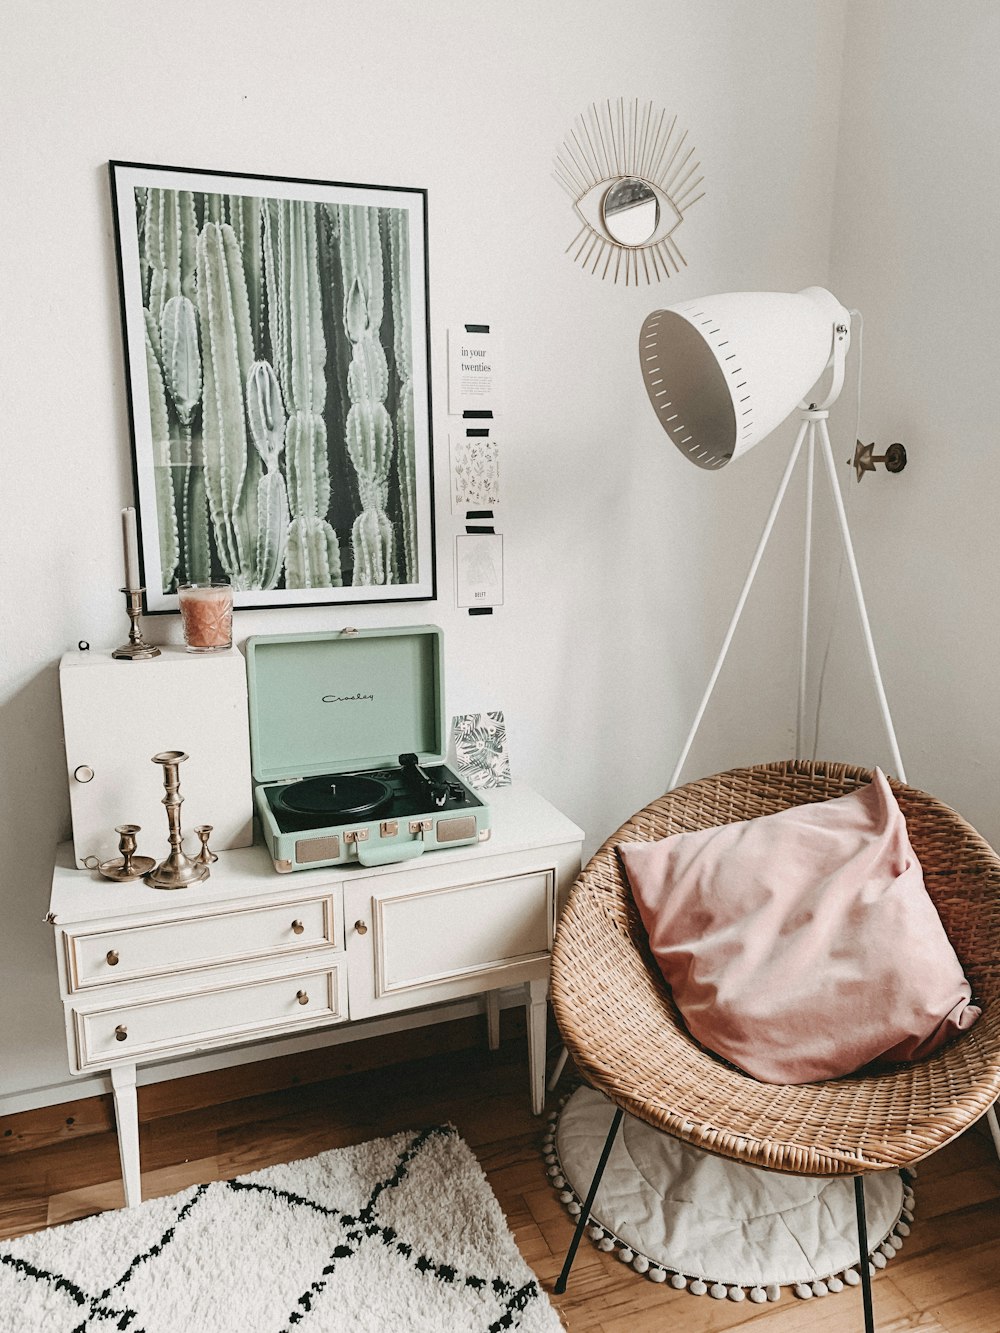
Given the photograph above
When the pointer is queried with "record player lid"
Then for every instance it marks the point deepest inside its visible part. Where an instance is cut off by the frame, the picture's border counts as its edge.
(338, 701)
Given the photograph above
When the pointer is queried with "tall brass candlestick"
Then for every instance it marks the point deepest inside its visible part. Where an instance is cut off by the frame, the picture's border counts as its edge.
(178, 870)
(137, 649)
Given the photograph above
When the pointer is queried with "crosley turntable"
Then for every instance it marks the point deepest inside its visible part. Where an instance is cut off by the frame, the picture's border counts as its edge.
(347, 740)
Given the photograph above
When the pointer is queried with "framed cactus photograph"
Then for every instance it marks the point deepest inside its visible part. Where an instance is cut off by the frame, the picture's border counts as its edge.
(276, 356)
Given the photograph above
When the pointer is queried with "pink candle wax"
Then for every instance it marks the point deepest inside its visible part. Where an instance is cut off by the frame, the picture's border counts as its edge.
(207, 616)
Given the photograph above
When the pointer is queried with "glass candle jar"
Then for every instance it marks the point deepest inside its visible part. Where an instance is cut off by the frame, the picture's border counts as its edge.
(206, 616)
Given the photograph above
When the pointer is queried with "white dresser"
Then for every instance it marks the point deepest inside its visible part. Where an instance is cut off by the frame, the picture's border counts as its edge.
(148, 974)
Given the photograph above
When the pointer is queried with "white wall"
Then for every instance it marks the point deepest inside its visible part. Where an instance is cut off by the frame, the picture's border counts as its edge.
(622, 560)
(915, 247)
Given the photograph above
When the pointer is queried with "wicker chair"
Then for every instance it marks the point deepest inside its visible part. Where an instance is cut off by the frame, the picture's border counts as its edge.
(621, 1027)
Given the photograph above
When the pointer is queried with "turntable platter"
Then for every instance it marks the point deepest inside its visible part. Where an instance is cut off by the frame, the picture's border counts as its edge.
(338, 795)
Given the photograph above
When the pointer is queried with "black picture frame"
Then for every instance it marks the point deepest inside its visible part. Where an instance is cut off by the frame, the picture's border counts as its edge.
(277, 356)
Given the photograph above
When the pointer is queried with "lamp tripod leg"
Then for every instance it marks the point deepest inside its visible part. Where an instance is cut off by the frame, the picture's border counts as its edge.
(859, 597)
(994, 1124)
(800, 716)
(748, 583)
(556, 1074)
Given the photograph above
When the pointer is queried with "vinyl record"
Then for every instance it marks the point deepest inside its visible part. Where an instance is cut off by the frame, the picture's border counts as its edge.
(335, 795)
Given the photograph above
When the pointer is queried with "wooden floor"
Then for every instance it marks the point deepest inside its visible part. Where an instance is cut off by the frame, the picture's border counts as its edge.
(945, 1280)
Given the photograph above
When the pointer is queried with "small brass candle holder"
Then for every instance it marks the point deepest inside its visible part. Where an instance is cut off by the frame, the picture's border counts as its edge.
(136, 650)
(128, 866)
(178, 870)
(206, 856)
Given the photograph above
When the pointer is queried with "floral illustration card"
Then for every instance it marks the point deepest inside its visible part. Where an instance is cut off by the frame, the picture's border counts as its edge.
(475, 472)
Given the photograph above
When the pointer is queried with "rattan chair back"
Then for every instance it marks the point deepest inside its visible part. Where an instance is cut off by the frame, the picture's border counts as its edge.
(627, 1039)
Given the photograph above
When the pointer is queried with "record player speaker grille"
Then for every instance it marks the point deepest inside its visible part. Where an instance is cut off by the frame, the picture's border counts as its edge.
(317, 849)
(450, 830)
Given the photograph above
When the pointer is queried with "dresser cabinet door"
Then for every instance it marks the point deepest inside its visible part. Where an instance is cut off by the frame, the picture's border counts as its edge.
(413, 941)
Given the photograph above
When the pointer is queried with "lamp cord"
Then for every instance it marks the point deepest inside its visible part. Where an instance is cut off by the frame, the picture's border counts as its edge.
(838, 589)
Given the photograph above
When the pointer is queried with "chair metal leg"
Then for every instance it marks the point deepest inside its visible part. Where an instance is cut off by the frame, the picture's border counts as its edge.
(585, 1212)
(866, 1281)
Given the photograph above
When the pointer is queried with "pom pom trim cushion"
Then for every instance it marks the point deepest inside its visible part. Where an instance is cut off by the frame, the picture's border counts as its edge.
(802, 946)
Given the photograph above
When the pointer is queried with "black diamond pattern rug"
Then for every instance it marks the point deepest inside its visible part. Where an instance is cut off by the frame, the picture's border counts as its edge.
(400, 1235)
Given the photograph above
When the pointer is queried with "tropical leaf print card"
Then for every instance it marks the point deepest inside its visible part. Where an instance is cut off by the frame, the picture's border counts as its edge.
(480, 741)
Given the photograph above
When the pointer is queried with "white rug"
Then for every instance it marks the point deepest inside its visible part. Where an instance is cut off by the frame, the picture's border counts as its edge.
(400, 1235)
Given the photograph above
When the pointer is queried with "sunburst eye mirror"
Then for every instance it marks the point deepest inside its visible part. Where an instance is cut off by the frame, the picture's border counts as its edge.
(631, 176)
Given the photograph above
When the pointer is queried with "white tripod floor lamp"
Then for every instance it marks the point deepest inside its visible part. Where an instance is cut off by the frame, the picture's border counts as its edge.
(721, 374)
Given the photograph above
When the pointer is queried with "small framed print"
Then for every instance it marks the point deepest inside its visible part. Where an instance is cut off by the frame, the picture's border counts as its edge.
(276, 336)
(479, 569)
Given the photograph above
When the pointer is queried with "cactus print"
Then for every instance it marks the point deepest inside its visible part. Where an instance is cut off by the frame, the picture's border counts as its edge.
(279, 363)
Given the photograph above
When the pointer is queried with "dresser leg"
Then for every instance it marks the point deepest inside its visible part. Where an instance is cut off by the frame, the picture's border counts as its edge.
(493, 1019)
(127, 1122)
(537, 1016)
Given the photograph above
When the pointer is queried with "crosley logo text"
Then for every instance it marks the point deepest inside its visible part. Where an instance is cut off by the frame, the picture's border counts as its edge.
(348, 698)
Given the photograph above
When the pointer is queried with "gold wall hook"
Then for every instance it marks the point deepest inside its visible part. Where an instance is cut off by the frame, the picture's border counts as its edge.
(865, 458)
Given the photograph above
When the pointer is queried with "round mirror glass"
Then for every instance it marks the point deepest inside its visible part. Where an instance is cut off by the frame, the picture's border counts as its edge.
(631, 210)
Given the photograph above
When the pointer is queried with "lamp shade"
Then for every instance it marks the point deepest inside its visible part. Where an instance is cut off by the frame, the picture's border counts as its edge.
(724, 371)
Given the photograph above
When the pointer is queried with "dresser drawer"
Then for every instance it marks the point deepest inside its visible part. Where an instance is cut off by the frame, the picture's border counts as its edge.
(127, 953)
(146, 1029)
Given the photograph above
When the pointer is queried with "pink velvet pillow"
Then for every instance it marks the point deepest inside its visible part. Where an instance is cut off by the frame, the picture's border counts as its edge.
(803, 945)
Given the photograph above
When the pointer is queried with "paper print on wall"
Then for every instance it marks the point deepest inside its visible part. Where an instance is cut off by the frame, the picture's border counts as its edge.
(475, 472)
(479, 569)
(473, 370)
(480, 742)
(276, 349)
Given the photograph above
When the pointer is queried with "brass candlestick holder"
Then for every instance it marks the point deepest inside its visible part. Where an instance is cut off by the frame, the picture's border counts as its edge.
(136, 650)
(206, 856)
(128, 866)
(178, 870)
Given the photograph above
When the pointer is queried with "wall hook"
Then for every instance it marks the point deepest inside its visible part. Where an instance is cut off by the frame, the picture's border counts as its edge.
(865, 458)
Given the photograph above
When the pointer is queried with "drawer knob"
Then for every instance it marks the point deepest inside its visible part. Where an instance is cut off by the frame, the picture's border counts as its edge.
(121, 1032)
(297, 927)
(84, 773)
(302, 997)
(361, 928)
(112, 958)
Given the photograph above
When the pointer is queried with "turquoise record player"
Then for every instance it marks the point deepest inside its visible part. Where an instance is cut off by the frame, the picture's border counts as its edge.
(347, 747)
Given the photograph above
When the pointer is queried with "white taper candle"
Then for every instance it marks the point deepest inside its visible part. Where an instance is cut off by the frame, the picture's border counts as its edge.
(131, 544)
